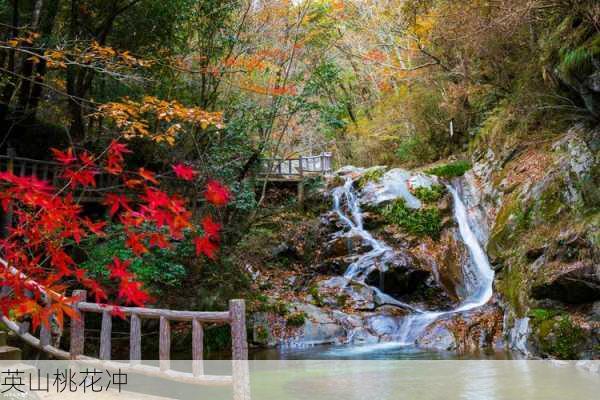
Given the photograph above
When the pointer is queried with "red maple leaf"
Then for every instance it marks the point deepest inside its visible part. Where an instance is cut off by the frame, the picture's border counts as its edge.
(87, 159)
(184, 172)
(134, 242)
(83, 177)
(216, 193)
(205, 246)
(148, 175)
(65, 158)
(120, 269)
(132, 292)
(116, 202)
(158, 240)
(211, 228)
(94, 227)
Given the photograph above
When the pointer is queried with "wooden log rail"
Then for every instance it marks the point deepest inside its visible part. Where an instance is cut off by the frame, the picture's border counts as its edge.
(235, 317)
(294, 168)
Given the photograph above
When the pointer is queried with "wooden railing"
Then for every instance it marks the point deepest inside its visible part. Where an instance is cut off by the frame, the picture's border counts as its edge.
(52, 172)
(235, 317)
(296, 167)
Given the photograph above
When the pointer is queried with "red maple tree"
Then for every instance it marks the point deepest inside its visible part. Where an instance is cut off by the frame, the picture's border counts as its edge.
(49, 220)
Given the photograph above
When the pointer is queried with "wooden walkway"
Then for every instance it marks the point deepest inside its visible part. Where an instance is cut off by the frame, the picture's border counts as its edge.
(235, 317)
(296, 169)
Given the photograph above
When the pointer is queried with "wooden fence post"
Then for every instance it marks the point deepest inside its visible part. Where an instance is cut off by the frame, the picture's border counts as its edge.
(105, 336)
(78, 326)
(164, 344)
(197, 348)
(237, 313)
(240, 368)
(135, 340)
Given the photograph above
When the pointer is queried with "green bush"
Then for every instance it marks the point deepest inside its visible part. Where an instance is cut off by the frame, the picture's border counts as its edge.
(372, 175)
(557, 335)
(425, 221)
(157, 269)
(296, 319)
(430, 195)
(451, 170)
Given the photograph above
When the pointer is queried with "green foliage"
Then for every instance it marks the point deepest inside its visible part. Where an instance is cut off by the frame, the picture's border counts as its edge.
(159, 269)
(451, 170)
(425, 221)
(296, 319)
(558, 336)
(372, 175)
(314, 292)
(430, 195)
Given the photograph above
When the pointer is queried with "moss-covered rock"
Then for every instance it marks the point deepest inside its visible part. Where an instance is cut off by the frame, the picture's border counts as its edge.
(556, 335)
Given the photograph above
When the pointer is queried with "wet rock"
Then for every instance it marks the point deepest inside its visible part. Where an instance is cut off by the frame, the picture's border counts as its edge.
(319, 327)
(373, 220)
(335, 266)
(362, 336)
(393, 185)
(343, 245)
(444, 258)
(383, 325)
(437, 336)
(474, 330)
(574, 283)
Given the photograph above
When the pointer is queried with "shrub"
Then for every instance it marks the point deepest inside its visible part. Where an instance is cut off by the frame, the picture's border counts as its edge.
(314, 292)
(430, 195)
(296, 319)
(372, 175)
(157, 269)
(557, 335)
(451, 170)
(424, 221)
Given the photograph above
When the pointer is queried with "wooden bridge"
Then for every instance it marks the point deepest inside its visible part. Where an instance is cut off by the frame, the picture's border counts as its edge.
(296, 169)
(235, 317)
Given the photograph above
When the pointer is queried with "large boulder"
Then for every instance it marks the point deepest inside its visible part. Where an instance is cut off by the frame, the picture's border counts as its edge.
(477, 329)
(319, 327)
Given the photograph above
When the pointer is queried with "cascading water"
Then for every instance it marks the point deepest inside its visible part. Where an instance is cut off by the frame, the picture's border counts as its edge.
(375, 258)
(478, 273)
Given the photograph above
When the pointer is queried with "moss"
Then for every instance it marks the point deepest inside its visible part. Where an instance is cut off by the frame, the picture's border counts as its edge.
(372, 175)
(511, 216)
(511, 284)
(556, 334)
(430, 195)
(425, 221)
(314, 292)
(296, 319)
(451, 170)
(550, 204)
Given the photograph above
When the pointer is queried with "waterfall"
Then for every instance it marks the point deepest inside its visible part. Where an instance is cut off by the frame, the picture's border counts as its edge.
(375, 258)
(478, 273)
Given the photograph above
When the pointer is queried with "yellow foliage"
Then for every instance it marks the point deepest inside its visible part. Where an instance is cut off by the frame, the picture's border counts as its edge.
(132, 118)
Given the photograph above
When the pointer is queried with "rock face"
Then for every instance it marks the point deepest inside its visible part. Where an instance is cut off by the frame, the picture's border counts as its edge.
(576, 283)
(537, 206)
